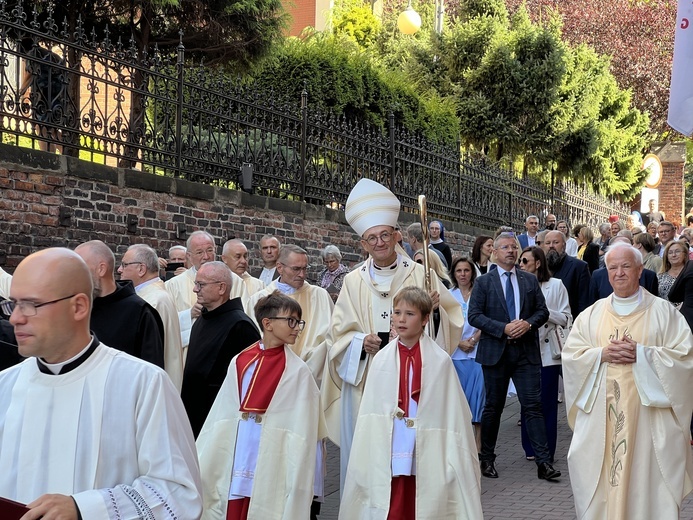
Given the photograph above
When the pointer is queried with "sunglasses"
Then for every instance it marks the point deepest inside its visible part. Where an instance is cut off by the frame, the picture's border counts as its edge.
(524, 261)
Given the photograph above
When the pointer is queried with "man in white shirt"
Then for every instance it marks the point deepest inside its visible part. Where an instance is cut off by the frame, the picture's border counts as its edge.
(98, 417)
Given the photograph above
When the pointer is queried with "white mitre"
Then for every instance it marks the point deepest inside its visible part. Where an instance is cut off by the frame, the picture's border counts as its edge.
(371, 204)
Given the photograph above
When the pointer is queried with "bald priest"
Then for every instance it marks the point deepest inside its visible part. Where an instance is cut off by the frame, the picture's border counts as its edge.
(86, 431)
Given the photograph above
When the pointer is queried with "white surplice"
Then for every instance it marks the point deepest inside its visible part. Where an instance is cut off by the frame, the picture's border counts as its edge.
(156, 295)
(284, 462)
(112, 433)
(445, 460)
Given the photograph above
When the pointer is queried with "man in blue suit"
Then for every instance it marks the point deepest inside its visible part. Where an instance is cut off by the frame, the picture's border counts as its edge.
(529, 237)
(574, 273)
(507, 305)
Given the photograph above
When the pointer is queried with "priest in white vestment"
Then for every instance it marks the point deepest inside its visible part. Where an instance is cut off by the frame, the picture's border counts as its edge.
(140, 265)
(628, 376)
(316, 302)
(361, 318)
(201, 249)
(235, 255)
(87, 431)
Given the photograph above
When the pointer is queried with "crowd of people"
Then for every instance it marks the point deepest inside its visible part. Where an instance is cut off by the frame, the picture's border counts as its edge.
(188, 387)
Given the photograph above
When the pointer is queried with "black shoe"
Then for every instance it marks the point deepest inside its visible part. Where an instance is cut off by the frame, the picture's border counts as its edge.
(546, 471)
(488, 469)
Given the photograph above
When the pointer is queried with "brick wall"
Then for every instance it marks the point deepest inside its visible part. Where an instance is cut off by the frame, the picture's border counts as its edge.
(50, 200)
(672, 188)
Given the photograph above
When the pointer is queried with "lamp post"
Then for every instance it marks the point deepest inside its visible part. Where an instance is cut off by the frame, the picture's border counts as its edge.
(409, 21)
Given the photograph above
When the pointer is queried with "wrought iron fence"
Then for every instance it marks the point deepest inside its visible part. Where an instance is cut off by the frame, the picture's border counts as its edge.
(107, 102)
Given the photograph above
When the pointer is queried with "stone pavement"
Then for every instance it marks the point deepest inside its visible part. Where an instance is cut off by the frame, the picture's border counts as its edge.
(518, 494)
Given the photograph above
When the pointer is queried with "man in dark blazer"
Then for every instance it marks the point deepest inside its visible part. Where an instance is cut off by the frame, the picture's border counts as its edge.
(574, 273)
(507, 305)
(529, 237)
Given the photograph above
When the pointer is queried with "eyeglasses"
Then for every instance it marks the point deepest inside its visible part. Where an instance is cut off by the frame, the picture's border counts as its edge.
(508, 247)
(210, 252)
(296, 269)
(674, 252)
(27, 308)
(125, 264)
(524, 261)
(385, 237)
(202, 285)
(291, 322)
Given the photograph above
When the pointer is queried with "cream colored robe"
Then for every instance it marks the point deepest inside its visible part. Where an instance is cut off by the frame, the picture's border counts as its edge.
(639, 464)
(181, 290)
(252, 285)
(112, 433)
(5, 282)
(311, 344)
(447, 466)
(291, 428)
(158, 297)
(352, 315)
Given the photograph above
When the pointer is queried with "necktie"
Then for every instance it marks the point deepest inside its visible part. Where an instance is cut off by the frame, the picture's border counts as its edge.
(510, 297)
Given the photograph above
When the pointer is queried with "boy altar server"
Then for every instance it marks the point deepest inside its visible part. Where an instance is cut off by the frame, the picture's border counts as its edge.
(257, 448)
(413, 455)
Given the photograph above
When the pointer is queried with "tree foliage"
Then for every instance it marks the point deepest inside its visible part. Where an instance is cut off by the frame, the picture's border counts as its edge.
(220, 31)
(637, 34)
(339, 76)
(529, 98)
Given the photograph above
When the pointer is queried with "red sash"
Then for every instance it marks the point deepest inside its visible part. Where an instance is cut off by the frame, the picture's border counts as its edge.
(268, 372)
(409, 358)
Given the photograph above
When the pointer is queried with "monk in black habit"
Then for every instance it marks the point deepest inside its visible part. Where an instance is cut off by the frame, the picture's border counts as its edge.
(119, 318)
(222, 331)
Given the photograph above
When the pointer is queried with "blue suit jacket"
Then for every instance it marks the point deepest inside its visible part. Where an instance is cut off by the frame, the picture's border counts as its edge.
(575, 275)
(522, 239)
(601, 288)
(488, 313)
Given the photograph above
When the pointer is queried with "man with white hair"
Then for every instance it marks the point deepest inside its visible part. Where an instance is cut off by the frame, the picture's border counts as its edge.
(201, 249)
(140, 266)
(119, 317)
(361, 318)
(311, 344)
(176, 255)
(235, 255)
(628, 377)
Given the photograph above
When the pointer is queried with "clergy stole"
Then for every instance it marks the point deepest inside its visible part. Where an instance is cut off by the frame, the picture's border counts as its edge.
(403, 494)
(259, 371)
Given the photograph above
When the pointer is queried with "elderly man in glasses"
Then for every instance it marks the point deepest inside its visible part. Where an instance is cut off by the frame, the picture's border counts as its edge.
(361, 318)
(201, 249)
(222, 331)
(88, 431)
(317, 305)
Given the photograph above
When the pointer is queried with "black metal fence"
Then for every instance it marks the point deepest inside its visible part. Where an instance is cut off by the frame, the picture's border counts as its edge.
(104, 101)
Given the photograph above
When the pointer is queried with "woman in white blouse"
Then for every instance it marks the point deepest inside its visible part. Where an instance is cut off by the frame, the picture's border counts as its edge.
(560, 320)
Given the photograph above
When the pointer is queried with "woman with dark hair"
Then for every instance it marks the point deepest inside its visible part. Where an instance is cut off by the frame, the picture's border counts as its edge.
(437, 240)
(463, 274)
(533, 261)
(481, 254)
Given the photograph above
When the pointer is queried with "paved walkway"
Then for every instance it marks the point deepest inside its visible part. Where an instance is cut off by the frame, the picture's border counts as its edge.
(518, 494)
